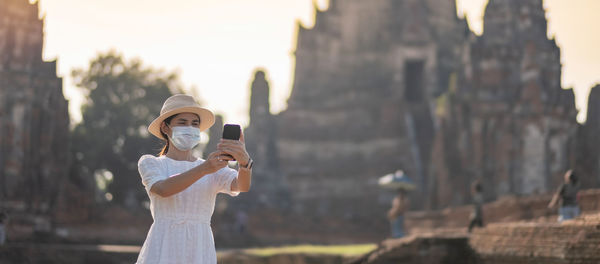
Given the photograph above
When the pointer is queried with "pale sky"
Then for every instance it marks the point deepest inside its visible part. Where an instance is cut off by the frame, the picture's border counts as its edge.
(216, 44)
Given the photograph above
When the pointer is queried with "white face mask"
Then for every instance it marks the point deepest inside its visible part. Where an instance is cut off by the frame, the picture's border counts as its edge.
(185, 137)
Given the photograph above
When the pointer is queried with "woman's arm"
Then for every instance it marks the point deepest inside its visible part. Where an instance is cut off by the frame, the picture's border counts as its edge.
(243, 181)
(553, 201)
(178, 183)
(237, 149)
(396, 209)
(555, 198)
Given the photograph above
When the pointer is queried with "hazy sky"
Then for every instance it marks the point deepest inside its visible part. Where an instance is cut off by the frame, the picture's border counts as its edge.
(217, 44)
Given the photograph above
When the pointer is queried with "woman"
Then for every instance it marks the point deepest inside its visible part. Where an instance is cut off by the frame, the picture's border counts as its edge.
(476, 217)
(2, 232)
(400, 205)
(567, 195)
(183, 188)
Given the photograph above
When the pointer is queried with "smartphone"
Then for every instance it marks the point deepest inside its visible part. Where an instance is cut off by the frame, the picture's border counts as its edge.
(231, 131)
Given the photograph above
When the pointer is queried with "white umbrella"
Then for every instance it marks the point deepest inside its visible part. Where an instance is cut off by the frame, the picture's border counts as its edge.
(397, 180)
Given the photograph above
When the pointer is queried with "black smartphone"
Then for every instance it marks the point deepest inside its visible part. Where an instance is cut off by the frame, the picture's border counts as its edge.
(231, 131)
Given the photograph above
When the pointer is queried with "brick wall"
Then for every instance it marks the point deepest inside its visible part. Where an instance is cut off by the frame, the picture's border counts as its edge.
(575, 241)
(505, 209)
(431, 248)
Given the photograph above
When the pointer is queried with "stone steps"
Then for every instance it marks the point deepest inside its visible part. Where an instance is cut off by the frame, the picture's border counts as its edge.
(571, 242)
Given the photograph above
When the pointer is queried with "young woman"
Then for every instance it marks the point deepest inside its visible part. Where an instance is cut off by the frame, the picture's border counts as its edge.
(400, 205)
(567, 196)
(183, 188)
(476, 217)
(2, 232)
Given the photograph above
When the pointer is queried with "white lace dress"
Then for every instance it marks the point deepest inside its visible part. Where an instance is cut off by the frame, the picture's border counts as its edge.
(181, 232)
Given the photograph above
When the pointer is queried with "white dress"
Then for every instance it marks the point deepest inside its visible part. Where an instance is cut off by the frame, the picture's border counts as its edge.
(181, 232)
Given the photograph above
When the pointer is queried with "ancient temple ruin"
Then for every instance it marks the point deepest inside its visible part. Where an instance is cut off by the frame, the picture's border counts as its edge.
(34, 120)
(379, 85)
(382, 85)
(507, 120)
(587, 154)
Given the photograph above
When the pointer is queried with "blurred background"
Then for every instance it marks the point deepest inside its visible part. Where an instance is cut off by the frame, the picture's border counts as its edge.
(332, 94)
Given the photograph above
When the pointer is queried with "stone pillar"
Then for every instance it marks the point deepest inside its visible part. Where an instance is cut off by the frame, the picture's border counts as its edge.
(34, 120)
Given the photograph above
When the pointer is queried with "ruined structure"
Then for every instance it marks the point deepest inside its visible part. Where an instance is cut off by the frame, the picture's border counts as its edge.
(34, 120)
(508, 122)
(574, 241)
(382, 85)
(587, 151)
(362, 104)
(269, 188)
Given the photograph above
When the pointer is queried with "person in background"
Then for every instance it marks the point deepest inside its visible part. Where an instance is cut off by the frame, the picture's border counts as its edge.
(241, 221)
(567, 196)
(400, 205)
(2, 228)
(476, 218)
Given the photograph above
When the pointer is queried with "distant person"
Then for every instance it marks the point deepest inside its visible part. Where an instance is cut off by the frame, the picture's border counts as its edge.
(567, 196)
(476, 217)
(241, 220)
(2, 228)
(183, 188)
(400, 205)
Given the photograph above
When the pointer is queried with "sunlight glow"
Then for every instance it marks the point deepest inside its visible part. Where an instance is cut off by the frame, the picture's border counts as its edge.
(216, 45)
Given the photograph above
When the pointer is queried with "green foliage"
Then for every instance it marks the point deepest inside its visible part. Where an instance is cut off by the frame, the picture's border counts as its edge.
(122, 98)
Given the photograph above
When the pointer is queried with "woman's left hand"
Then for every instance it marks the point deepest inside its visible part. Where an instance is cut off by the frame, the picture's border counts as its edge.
(235, 148)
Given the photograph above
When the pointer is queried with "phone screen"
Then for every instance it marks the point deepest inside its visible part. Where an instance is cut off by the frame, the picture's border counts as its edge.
(231, 131)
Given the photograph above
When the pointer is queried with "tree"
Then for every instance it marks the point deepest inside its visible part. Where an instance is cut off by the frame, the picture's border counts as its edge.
(122, 98)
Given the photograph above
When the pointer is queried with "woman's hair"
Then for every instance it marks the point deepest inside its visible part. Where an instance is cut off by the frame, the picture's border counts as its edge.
(572, 177)
(165, 148)
(401, 191)
(476, 186)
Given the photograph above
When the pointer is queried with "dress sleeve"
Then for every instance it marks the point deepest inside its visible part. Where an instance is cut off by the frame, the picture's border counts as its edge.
(222, 180)
(150, 171)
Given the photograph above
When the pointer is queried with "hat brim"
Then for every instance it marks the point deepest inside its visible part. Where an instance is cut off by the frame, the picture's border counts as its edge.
(207, 119)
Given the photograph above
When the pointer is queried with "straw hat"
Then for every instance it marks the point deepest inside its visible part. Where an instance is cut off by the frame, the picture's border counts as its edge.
(177, 104)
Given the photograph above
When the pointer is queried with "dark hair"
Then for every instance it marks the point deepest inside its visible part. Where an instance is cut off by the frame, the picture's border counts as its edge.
(165, 148)
(401, 191)
(572, 177)
(477, 186)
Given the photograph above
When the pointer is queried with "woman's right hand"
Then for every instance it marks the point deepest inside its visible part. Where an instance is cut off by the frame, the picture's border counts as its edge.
(215, 161)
